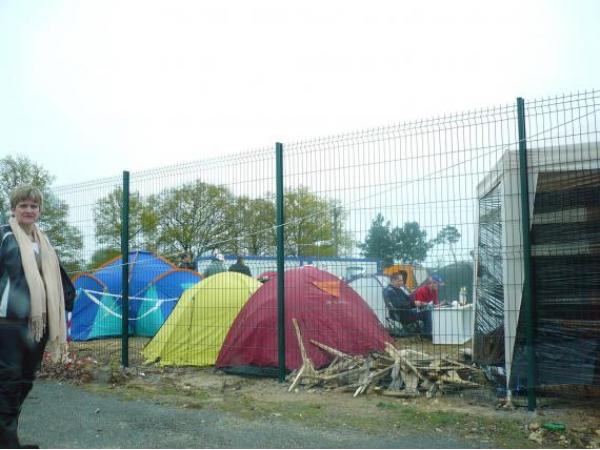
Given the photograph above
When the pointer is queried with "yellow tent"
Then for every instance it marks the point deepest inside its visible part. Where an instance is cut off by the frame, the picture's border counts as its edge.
(194, 332)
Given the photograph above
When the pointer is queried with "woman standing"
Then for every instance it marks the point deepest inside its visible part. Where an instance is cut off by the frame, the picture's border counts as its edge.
(32, 310)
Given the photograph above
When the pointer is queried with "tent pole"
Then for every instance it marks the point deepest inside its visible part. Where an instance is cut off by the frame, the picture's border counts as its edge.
(525, 227)
(280, 260)
(125, 271)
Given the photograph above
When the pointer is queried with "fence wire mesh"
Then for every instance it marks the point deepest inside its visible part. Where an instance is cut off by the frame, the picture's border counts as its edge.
(436, 201)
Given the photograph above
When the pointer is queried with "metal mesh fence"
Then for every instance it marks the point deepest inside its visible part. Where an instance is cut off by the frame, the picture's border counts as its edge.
(437, 201)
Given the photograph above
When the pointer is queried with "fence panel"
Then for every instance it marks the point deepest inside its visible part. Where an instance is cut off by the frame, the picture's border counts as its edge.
(564, 192)
(437, 201)
(401, 199)
(95, 323)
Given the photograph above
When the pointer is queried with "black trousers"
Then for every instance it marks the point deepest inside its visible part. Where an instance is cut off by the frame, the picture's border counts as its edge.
(20, 358)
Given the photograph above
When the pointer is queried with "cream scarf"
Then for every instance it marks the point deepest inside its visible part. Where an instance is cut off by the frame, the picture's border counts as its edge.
(45, 291)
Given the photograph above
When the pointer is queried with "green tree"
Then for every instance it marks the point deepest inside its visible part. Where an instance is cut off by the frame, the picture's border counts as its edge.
(341, 240)
(253, 227)
(65, 238)
(407, 245)
(448, 235)
(17, 171)
(142, 221)
(195, 217)
(310, 225)
(410, 244)
(378, 243)
(101, 256)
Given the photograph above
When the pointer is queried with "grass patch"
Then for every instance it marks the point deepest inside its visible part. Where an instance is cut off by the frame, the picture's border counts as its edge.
(370, 415)
(405, 419)
(260, 399)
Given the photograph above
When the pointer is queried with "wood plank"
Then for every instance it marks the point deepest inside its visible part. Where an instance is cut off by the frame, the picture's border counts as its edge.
(308, 369)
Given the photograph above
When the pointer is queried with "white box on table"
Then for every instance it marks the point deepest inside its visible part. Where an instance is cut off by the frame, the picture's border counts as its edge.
(452, 325)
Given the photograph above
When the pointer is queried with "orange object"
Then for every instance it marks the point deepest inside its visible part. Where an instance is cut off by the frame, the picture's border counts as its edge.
(412, 274)
(331, 287)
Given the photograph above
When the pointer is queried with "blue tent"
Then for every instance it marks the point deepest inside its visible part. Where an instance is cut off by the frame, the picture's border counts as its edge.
(155, 285)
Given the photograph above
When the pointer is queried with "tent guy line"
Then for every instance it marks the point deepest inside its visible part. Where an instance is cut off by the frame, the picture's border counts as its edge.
(110, 311)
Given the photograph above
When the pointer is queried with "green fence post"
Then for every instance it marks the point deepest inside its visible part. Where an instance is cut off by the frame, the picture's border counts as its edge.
(125, 272)
(527, 298)
(280, 260)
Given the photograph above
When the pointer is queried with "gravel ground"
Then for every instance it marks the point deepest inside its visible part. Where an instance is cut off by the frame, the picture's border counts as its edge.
(59, 415)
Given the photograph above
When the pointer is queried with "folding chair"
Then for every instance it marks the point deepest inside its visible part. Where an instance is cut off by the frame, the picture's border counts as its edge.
(398, 327)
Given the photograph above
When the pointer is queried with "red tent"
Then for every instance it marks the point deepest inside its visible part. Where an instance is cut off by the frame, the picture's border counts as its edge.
(327, 310)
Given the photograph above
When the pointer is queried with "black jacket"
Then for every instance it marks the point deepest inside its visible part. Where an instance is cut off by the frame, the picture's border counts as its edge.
(241, 268)
(398, 303)
(14, 291)
(15, 302)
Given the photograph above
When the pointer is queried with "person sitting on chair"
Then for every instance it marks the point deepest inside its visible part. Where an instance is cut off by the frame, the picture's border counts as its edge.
(427, 294)
(400, 306)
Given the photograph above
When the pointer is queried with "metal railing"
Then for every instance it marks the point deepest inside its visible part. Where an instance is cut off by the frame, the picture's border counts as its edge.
(446, 196)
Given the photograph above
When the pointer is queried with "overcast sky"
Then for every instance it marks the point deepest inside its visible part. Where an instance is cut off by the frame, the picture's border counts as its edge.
(91, 88)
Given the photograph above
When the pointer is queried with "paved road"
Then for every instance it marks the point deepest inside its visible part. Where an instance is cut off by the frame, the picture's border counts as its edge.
(63, 416)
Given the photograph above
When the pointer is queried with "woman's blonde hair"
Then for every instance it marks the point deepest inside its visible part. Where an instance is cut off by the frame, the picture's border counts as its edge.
(26, 192)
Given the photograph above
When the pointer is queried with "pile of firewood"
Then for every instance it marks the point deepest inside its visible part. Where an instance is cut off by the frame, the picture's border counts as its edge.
(395, 372)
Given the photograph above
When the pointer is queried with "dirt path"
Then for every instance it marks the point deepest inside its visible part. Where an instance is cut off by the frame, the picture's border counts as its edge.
(59, 415)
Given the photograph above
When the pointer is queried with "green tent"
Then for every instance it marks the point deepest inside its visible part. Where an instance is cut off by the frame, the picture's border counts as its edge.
(455, 277)
(194, 332)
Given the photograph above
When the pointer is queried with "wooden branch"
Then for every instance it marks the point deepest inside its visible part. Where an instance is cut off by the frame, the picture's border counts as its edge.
(432, 390)
(297, 379)
(332, 365)
(438, 368)
(346, 373)
(340, 366)
(301, 342)
(373, 376)
(383, 358)
(411, 383)
(308, 369)
(332, 350)
(392, 351)
(453, 378)
(415, 370)
(405, 361)
(452, 361)
(396, 383)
